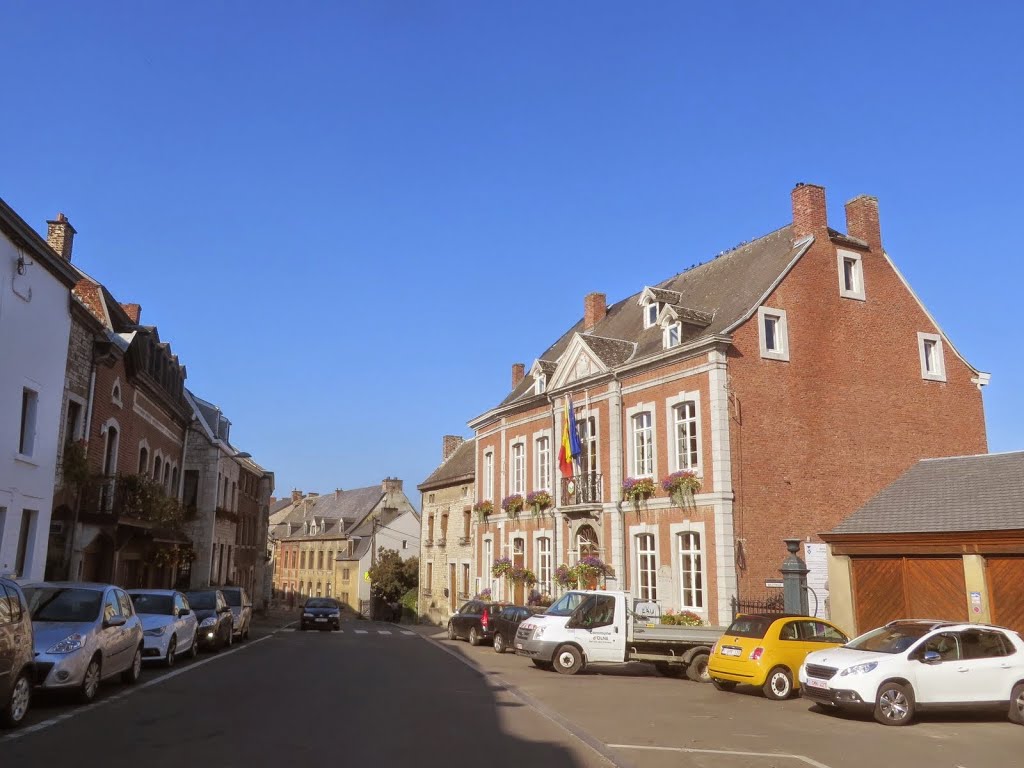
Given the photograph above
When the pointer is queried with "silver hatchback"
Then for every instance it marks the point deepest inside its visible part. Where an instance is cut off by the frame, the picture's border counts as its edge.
(84, 633)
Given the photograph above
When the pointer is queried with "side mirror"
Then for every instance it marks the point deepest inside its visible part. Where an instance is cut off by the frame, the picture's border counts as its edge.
(184, 612)
(931, 657)
(115, 621)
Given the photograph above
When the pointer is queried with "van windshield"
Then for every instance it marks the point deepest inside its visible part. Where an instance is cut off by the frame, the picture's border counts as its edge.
(566, 604)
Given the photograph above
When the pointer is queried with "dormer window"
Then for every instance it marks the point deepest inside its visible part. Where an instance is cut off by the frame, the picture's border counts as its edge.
(542, 382)
(672, 335)
(651, 314)
(115, 394)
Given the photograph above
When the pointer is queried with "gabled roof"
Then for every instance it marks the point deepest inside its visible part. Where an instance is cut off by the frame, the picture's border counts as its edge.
(458, 468)
(23, 236)
(349, 506)
(963, 493)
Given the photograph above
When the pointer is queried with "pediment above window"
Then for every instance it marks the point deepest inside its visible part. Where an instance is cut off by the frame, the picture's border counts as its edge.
(577, 363)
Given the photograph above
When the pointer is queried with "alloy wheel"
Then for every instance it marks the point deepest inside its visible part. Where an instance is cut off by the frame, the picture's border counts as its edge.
(1019, 704)
(19, 699)
(92, 679)
(172, 650)
(894, 705)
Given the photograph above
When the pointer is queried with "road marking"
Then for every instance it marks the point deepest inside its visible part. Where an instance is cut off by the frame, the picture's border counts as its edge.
(360, 631)
(125, 693)
(289, 629)
(383, 631)
(692, 750)
(408, 632)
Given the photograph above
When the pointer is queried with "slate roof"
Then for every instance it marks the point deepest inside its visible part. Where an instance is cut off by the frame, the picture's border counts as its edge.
(340, 510)
(721, 291)
(461, 465)
(963, 493)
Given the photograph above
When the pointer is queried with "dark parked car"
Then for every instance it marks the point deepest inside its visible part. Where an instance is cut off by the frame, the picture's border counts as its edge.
(215, 618)
(507, 622)
(474, 621)
(16, 654)
(321, 613)
(241, 610)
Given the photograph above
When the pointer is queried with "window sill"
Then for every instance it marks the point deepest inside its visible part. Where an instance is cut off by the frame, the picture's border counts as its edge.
(23, 459)
(852, 295)
(934, 377)
(780, 356)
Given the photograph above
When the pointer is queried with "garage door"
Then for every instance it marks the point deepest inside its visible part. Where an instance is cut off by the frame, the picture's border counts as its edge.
(1005, 576)
(888, 588)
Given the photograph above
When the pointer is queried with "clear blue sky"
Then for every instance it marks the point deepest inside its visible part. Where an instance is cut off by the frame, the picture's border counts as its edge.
(350, 219)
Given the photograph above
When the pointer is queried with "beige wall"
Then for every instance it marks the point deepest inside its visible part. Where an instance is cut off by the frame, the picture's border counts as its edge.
(453, 500)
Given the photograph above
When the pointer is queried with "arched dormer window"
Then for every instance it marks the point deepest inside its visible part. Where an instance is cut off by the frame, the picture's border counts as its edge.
(115, 393)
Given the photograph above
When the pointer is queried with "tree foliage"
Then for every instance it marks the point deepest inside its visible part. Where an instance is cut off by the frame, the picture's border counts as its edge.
(391, 576)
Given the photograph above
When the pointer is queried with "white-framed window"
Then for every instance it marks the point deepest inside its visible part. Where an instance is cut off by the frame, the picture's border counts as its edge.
(74, 419)
(488, 489)
(542, 456)
(643, 443)
(671, 336)
(691, 570)
(647, 567)
(933, 364)
(589, 460)
(773, 332)
(851, 275)
(518, 468)
(542, 383)
(685, 436)
(544, 565)
(519, 546)
(651, 314)
(29, 414)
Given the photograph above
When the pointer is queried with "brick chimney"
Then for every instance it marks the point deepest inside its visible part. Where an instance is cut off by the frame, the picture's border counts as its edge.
(809, 215)
(450, 444)
(296, 497)
(595, 307)
(134, 311)
(391, 485)
(518, 374)
(337, 493)
(862, 221)
(61, 236)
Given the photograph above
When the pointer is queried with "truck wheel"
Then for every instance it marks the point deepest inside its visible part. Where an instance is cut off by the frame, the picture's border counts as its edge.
(568, 660)
(779, 685)
(697, 669)
(665, 669)
(724, 685)
(545, 665)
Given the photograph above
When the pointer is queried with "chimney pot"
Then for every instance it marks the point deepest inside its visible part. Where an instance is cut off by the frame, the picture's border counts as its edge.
(809, 214)
(296, 496)
(337, 493)
(60, 236)
(862, 221)
(595, 307)
(450, 444)
(391, 485)
(518, 374)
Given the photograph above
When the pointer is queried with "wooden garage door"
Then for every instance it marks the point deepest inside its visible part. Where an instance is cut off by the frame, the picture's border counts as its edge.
(887, 588)
(1005, 575)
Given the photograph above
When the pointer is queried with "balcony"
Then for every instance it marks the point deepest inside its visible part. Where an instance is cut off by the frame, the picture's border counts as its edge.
(582, 493)
(128, 499)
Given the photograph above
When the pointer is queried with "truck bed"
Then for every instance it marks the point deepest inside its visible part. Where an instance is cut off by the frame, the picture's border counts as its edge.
(671, 634)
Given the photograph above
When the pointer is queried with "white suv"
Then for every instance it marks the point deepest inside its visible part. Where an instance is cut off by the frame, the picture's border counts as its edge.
(911, 665)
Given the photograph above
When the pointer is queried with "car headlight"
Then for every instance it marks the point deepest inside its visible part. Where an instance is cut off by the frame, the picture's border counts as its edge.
(208, 622)
(158, 632)
(539, 632)
(335, 614)
(69, 644)
(307, 615)
(859, 669)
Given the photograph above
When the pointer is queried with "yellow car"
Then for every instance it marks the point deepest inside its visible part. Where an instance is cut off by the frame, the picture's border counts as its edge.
(767, 650)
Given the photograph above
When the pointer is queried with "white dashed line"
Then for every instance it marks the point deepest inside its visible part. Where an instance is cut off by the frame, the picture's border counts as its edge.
(689, 750)
(360, 631)
(407, 632)
(383, 631)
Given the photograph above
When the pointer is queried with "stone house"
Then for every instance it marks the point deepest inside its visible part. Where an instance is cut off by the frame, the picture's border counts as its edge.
(35, 325)
(446, 545)
(794, 376)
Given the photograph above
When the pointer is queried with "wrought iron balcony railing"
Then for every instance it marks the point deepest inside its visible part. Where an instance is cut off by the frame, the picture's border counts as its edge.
(582, 489)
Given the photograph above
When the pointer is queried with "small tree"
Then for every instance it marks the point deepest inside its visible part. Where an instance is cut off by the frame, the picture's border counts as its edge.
(391, 577)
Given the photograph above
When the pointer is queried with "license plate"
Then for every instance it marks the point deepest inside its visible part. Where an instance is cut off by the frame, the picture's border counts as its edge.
(730, 651)
(519, 646)
(815, 683)
(320, 619)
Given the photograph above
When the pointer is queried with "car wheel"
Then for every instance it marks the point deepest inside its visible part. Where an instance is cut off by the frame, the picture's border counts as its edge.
(451, 632)
(131, 675)
(779, 685)
(230, 637)
(172, 649)
(547, 666)
(499, 642)
(568, 660)
(723, 685)
(895, 704)
(90, 682)
(1017, 704)
(697, 669)
(665, 669)
(474, 636)
(193, 650)
(17, 707)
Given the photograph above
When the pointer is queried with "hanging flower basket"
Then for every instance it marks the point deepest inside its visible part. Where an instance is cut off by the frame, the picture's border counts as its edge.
(585, 574)
(565, 577)
(522, 576)
(539, 501)
(483, 594)
(637, 490)
(483, 510)
(681, 486)
(538, 600)
(512, 505)
(502, 567)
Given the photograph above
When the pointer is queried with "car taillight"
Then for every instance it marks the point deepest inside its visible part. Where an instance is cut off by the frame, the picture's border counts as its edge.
(756, 653)
(483, 621)
(714, 648)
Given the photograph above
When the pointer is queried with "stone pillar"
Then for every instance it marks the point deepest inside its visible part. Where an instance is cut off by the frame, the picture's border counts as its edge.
(794, 579)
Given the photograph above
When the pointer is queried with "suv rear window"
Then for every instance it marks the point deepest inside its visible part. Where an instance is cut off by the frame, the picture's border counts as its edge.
(750, 626)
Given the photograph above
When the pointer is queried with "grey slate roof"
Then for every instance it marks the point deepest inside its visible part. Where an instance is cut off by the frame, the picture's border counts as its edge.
(722, 291)
(964, 493)
(348, 505)
(460, 465)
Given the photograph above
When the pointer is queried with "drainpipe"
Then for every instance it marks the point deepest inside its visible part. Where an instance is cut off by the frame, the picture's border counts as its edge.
(615, 472)
(555, 520)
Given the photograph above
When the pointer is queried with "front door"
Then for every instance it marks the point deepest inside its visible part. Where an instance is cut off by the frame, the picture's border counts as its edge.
(598, 628)
(519, 562)
(453, 588)
(945, 680)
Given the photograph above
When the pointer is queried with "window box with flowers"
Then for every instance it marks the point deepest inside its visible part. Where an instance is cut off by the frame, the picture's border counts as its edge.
(483, 510)
(681, 486)
(539, 501)
(586, 574)
(637, 490)
(502, 567)
(682, 619)
(513, 505)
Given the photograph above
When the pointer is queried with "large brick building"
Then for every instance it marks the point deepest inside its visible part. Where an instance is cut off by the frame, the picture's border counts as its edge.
(795, 375)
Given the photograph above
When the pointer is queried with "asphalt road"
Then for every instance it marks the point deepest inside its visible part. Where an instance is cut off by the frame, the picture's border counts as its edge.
(370, 695)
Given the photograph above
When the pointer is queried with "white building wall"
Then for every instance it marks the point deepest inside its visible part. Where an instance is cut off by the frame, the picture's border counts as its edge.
(35, 322)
